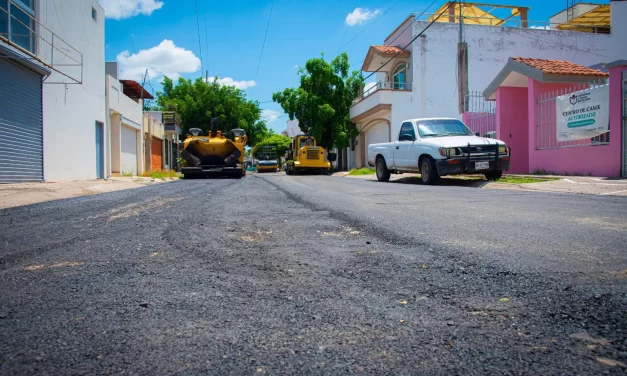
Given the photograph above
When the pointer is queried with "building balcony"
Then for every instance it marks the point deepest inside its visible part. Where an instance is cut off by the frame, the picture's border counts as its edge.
(21, 30)
(377, 101)
(171, 122)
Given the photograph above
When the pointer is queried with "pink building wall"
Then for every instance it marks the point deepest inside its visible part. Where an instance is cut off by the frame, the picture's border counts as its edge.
(600, 160)
(511, 125)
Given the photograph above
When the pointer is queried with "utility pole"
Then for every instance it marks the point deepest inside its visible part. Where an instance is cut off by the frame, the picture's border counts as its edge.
(462, 63)
(207, 76)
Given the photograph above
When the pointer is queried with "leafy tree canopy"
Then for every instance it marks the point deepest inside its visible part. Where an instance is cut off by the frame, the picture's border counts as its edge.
(279, 141)
(197, 102)
(322, 100)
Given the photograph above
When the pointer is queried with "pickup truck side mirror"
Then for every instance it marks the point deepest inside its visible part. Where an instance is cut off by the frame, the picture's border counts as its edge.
(477, 134)
(407, 137)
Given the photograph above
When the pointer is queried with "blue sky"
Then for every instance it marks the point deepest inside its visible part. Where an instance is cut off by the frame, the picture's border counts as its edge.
(162, 35)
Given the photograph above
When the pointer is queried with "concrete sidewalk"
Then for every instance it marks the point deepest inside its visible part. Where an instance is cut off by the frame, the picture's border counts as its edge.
(565, 184)
(12, 195)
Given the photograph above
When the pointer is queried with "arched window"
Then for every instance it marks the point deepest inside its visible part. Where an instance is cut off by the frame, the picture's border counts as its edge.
(399, 77)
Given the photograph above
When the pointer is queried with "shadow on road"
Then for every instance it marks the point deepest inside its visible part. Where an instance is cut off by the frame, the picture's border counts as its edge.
(444, 181)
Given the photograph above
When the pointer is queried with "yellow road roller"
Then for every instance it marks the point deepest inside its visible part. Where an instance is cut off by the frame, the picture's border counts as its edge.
(214, 154)
(267, 160)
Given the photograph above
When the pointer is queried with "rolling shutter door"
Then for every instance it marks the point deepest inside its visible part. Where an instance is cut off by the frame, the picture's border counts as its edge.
(21, 124)
(157, 154)
(129, 150)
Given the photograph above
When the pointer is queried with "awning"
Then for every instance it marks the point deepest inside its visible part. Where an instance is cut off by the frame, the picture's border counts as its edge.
(133, 89)
(597, 18)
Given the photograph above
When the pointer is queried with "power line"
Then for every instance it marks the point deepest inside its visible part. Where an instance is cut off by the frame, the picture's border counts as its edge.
(202, 67)
(131, 31)
(207, 35)
(412, 41)
(346, 29)
(264, 41)
(372, 23)
(401, 33)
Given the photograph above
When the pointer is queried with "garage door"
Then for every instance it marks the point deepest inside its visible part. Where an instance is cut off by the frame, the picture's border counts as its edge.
(377, 134)
(129, 150)
(157, 154)
(21, 124)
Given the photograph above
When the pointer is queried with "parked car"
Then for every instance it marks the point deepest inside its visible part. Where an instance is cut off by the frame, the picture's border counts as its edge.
(436, 147)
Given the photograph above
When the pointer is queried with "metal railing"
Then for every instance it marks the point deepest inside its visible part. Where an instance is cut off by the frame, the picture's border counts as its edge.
(546, 119)
(511, 22)
(171, 118)
(480, 114)
(402, 86)
(26, 34)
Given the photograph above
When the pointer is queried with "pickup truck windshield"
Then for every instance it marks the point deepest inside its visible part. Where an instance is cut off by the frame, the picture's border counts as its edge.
(441, 128)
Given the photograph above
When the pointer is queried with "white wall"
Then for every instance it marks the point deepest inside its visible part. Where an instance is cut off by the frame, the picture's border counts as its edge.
(119, 102)
(292, 128)
(71, 111)
(434, 59)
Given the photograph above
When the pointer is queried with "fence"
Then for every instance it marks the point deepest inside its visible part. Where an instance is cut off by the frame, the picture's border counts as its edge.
(546, 120)
(480, 115)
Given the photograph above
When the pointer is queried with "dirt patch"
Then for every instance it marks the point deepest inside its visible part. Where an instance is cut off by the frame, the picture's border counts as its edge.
(12, 195)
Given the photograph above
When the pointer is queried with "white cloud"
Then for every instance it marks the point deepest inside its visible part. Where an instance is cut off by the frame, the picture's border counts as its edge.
(541, 27)
(120, 9)
(228, 81)
(270, 115)
(166, 59)
(360, 15)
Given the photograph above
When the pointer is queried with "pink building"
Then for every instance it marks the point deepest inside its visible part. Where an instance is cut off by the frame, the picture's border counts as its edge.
(526, 92)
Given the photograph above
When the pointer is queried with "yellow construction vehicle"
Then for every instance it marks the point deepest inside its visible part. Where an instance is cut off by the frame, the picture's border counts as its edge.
(303, 155)
(214, 154)
(267, 160)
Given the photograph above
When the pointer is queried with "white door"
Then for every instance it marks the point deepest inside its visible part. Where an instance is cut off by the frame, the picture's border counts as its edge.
(403, 151)
(129, 151)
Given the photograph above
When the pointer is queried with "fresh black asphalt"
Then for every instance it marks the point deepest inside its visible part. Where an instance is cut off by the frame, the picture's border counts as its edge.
(286, 275)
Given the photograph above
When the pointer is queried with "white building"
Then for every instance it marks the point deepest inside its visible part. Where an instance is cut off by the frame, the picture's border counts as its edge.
(52, 97)
(292, 128)
(422, 79)
(124, 108)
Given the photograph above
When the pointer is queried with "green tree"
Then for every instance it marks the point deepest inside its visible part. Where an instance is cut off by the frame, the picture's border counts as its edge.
(279, 141)
(322, 100)
(197, 102)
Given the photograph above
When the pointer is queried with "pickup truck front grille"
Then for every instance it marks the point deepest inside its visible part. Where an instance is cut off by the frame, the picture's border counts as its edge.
(479, 149)
(313, 153)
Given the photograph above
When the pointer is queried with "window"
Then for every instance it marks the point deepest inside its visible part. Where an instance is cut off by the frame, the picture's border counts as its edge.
(4, 18)
(443, 127)
(17, 22)
(399, 77)
(94, 14)
(407, 129)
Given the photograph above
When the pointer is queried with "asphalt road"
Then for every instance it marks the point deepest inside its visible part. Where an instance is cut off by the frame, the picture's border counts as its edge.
(273, 274)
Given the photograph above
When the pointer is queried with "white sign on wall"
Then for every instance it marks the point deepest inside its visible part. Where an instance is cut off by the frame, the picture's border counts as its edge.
(583, 114)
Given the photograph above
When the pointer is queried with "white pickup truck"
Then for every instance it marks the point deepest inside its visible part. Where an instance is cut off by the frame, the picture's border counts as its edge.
(436, 147)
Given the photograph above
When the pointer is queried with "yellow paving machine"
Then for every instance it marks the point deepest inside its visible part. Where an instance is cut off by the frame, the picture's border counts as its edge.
(303, 155)
(214, 153)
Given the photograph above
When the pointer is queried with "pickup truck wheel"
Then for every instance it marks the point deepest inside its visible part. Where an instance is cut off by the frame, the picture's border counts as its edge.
(428, 172)
(383, 174)
(494, 175)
